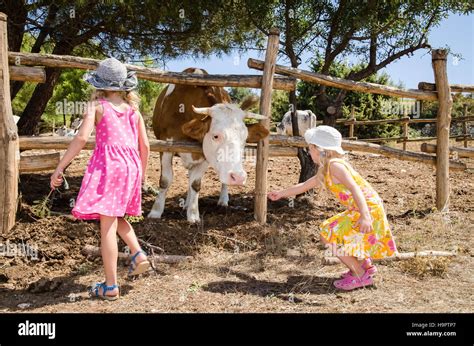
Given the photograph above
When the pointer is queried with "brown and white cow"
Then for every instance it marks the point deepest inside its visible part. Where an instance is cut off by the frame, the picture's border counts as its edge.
(206, 115)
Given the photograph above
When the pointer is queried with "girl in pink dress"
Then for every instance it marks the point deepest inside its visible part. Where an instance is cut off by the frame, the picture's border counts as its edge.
(111, 187)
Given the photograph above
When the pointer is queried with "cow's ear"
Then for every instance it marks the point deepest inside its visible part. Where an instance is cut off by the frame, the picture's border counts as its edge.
(197, 128)
(256, 132)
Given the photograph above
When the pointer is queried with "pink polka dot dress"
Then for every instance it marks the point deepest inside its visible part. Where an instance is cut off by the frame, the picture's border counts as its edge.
(112, 182)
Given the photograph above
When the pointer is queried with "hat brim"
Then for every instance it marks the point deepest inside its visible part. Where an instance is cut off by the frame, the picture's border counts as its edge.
(129, 84)
(309, 138)
(338, 150)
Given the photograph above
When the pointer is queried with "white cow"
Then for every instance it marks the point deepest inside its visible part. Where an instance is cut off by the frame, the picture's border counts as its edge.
(306, 120)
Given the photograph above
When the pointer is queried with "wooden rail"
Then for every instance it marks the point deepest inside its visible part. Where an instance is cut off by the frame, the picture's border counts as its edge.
(459, 88)
(27, 74)
(346, 84)
(352, 123)
(461, 152)
(148, 73)
(279, 146)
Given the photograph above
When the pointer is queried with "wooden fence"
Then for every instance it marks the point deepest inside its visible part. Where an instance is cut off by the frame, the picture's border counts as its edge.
(20, 68)
(279, 145)
(352, 123)
(441, 92)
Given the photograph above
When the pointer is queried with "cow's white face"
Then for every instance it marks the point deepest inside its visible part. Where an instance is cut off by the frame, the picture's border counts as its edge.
(224, 143)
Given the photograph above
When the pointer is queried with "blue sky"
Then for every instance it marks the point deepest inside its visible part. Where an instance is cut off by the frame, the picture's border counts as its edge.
(457, 32)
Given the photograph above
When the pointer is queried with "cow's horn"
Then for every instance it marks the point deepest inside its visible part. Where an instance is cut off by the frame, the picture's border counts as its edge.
(251, 115)
(202, 110)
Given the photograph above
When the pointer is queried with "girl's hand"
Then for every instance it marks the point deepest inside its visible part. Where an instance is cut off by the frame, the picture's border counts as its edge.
(365, 224)
(274, 195)
(56, 178)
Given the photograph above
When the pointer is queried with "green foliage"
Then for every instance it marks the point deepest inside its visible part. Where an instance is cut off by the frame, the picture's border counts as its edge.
(430, 108)
(72, 88)
(238, 94)
(22, 98)
(280, 104)
(148, 92)
(127, 30)
(131, 30)
(375, 32)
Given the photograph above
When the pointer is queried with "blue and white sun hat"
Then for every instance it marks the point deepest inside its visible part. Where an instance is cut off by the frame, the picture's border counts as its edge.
(325, 137)
(112, 75)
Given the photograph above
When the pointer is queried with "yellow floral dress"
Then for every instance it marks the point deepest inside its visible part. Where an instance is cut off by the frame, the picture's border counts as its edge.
(341, 229)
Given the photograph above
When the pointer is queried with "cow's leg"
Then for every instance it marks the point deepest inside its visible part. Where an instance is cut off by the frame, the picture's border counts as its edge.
(166, 178)
(224, 196)
(188, 193)
(195, 175)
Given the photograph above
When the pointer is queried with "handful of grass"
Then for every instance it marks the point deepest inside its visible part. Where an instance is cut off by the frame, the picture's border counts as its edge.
(134, 219)
(42, 208)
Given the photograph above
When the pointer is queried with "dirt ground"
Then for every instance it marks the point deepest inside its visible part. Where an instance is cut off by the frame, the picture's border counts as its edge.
(238, 265)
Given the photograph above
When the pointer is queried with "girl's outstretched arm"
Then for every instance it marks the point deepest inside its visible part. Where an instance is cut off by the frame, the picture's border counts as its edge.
(294, 190)
(340, 172)
(76, 144)
(143, 145)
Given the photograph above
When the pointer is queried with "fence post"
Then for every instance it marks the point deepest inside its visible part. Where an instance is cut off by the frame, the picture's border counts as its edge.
(9, 152)
(351, 125)
(406, 120)
(260, 212)
(439, 58)
(464, 125)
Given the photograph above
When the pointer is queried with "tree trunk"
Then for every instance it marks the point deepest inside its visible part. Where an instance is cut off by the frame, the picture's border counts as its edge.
(308, 168)
(28, 123)
(331, 114)
(15, 87)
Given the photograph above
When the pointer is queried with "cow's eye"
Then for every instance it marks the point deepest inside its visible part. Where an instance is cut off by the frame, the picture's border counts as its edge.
(215, 137)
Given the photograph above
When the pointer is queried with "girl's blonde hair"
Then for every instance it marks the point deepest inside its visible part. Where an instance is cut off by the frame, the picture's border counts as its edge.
(131, 97)
(323, 168)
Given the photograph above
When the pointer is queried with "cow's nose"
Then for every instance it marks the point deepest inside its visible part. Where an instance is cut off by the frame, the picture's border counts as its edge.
(237, 178)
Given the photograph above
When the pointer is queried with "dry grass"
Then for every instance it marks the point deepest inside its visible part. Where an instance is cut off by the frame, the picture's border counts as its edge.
(422, 267)
(241, 266)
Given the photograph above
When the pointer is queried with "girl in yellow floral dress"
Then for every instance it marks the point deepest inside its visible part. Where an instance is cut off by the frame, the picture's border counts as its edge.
(362, 231)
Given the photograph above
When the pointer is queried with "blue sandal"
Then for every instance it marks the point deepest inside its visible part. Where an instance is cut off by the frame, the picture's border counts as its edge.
(94, 291)
(140, 268)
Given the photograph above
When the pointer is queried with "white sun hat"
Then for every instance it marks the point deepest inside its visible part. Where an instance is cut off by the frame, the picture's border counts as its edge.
(325, 137)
